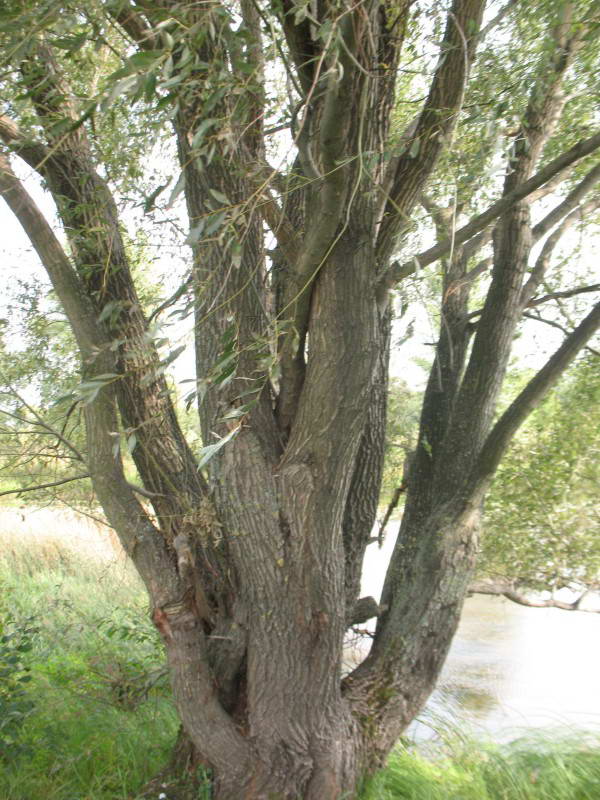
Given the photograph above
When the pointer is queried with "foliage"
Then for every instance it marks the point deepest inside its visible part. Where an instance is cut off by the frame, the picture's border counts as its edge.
(542, 525)
(277, 145)
(16, 642)
(99, 721)
(530, 769)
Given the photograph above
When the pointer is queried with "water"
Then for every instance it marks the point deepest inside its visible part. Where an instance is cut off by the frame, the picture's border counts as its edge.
(511, 669)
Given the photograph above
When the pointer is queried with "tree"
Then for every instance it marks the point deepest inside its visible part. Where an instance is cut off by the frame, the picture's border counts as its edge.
(251, 548)
(541, 520)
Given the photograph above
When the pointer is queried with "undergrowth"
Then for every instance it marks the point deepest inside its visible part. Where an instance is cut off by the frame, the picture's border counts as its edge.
(86, 714)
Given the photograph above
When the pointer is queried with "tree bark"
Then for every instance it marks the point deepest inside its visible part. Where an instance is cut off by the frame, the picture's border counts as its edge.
(253, 562)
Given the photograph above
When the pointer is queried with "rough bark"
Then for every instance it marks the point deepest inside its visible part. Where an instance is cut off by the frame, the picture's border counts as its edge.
(253, 565)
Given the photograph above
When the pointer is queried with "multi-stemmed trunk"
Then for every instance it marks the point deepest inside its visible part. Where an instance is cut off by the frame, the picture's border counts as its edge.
(253, 563)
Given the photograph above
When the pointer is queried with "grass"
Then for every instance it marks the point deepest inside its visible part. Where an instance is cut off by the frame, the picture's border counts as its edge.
(96, 720)
(92, 713)
(530, 769)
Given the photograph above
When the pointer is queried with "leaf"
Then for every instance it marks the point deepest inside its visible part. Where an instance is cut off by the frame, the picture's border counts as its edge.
(220, 197)
(201, 131)
(238, 411)
(70, 43)
(145, 59)
(216, 220)
(177, 190)
(206, 453)
(195, 233)
(172, 355)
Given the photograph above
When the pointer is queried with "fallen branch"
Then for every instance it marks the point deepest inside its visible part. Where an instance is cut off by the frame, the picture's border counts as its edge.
(508, 589)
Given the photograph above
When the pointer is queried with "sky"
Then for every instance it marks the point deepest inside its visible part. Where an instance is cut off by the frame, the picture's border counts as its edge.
(536, 342)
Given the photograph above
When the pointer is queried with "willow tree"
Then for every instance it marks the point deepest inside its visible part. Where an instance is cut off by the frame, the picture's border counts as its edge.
(251, 547)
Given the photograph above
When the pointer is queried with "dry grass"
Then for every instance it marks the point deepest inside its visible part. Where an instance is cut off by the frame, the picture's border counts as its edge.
(31, 538)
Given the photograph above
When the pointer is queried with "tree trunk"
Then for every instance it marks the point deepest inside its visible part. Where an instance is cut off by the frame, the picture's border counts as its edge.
(252, 562)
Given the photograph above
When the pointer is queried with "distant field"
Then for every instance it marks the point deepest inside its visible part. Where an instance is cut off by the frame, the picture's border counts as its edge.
(50, 531)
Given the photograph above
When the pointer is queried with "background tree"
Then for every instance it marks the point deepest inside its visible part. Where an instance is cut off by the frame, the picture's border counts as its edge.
(541, 518)
(252, 548)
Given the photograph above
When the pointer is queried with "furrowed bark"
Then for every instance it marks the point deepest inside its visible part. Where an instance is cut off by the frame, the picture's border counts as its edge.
(192, 681)
(88, 212)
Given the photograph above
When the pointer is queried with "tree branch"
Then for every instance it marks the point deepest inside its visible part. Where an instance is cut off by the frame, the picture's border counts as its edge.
(40, 486)
(553, 324)
(435, 124)
(537, 301)
(398, 271)
(570, 202)
(510, 590)
(133, 24)
(45, 425)
(543, 260)
(530, 397)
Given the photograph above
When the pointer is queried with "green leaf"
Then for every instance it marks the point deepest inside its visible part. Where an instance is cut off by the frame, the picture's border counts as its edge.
(195, 233)
(145, 59)
(214, 222)
(172, 356)
(220, 197)
(201, 130)
(206, 453)
(177, 190)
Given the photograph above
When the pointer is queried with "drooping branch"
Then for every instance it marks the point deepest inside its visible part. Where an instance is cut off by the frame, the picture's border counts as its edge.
(139, 537)
(95, 351)
(50, 485)
(90, 218)
(39, 421)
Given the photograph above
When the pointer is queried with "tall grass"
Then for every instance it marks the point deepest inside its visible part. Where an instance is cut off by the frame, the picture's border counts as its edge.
(100, 720)
(96, 720)
(531, 769)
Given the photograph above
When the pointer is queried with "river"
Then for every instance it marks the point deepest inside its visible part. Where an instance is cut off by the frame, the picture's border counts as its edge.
(511, 670)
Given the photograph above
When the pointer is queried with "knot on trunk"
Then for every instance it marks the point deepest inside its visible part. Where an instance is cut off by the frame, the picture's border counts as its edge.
(363, 610)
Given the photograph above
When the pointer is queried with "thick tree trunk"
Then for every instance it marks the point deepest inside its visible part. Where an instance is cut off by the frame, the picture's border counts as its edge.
(253, 571)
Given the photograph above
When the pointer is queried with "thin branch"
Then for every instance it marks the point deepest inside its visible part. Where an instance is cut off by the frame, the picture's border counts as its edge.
(543, 260)
(493, 23)
(177, 294)
(553, 324)
(45, 425)
(435, 124)
(570, 202)
(537, 301)
(389, 511)
(511, 591)
(39, 486)
(399, 271)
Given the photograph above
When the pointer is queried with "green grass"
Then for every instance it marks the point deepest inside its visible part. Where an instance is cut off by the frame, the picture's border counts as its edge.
(530, 769)
(98, 721)
(94, 720)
